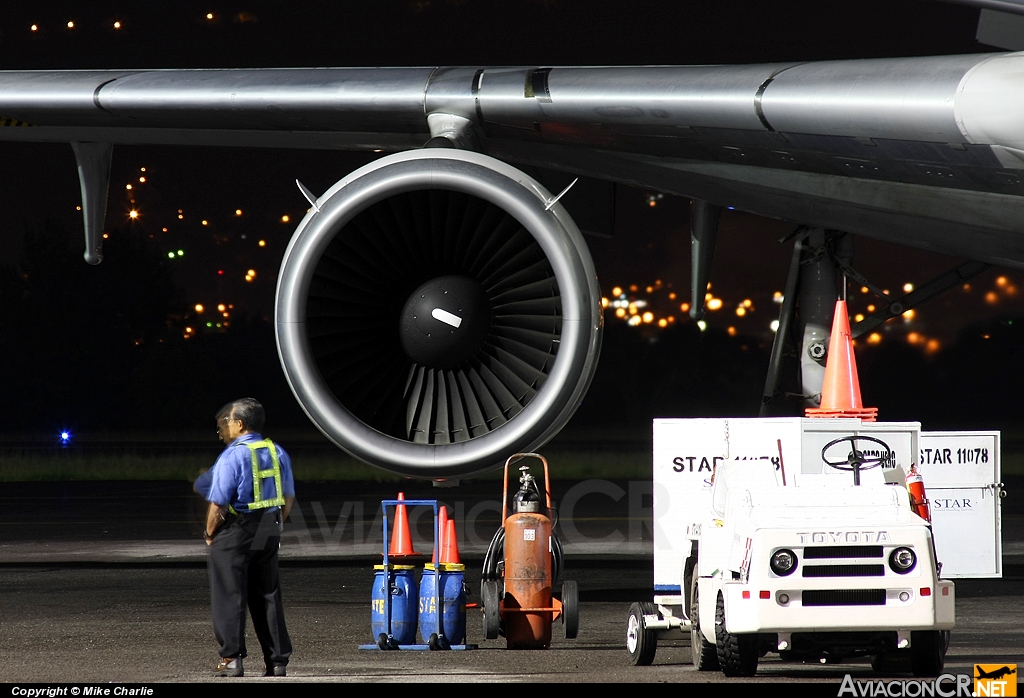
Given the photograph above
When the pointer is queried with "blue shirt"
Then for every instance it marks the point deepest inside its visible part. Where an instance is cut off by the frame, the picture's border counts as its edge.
(229, 481)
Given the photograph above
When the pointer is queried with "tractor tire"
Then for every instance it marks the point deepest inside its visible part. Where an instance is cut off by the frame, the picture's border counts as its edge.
(926, 652)
(705, 655)
(737, 654)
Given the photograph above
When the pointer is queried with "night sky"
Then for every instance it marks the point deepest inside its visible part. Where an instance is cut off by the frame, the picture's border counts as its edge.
(226, 209)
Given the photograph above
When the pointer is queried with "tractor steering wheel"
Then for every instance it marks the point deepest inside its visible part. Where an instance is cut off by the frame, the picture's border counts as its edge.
(856, 460)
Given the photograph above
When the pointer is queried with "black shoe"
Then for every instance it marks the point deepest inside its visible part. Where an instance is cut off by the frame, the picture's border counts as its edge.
(276, 670)
(228, 666)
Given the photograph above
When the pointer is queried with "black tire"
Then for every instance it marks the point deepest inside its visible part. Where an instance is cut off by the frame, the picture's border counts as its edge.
(570, 609)
(641, 643)
(689, 572)
(926, 654)
(705, 655)
(737, 654)
(383, 642)
(892, 662)
(492, 613)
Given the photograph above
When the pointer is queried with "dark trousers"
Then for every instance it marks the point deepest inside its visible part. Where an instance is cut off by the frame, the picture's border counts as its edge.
(243, 572)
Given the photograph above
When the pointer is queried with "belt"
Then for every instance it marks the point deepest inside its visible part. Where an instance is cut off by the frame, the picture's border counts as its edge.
(245, 515)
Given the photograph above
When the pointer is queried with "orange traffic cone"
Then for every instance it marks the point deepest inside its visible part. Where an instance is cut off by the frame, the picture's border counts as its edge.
(401, 541)
(450, 549)
(840, 392)
(442, 526)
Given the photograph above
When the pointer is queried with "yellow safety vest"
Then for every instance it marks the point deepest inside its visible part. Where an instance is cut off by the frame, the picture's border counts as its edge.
(259, 475)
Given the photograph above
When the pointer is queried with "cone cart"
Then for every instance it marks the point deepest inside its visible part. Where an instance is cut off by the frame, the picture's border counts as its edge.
(386, 640)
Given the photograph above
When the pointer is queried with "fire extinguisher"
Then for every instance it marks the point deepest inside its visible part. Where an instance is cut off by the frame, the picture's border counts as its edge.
(918, 500)
(521, 566)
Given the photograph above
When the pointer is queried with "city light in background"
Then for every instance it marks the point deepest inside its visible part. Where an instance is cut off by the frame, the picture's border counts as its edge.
(232, 253)
(651, 308)
(224, 239)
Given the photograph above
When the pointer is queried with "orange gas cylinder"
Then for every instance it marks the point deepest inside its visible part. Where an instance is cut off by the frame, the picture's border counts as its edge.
(528, 578)
(523, 562)
(918, 499)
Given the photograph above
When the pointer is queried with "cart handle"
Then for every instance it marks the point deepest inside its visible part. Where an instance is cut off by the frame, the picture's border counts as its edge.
(389, 575)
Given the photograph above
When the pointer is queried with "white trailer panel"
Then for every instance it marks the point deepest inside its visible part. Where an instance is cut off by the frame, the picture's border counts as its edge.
(961, 471)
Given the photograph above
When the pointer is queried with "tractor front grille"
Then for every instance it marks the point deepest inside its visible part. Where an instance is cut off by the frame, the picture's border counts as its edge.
(844, 570)
(844, 597)
(819, 552)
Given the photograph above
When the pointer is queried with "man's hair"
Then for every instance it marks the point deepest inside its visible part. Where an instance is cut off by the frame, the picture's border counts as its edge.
(247, 410)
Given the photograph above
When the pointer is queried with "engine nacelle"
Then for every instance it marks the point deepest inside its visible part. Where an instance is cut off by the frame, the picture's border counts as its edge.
(433, 318)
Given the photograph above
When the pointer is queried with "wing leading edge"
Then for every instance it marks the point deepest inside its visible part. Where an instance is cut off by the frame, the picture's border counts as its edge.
(868, 146)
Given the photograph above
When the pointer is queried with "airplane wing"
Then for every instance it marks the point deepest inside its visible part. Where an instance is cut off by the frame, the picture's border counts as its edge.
(922, 151)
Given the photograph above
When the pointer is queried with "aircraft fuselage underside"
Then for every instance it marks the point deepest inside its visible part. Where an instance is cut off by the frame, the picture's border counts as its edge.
(977, 225)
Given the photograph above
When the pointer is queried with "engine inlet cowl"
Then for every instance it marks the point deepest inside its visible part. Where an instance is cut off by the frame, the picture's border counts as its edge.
(433, 318)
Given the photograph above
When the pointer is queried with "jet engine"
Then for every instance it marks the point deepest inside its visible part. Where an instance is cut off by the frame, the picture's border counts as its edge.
(436, 312)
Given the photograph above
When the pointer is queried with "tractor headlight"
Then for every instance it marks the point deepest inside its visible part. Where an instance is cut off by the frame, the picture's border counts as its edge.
(783, 562)
(902, 560)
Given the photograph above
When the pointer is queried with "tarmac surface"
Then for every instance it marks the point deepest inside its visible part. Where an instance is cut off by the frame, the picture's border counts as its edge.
(106, 582)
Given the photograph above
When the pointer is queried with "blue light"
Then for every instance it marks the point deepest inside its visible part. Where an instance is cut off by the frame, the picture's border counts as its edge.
(65, 437)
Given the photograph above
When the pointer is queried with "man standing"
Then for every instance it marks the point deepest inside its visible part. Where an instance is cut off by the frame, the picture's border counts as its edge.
(250, 490)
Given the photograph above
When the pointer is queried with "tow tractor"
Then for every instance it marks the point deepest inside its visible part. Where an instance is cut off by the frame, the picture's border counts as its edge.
(799, 536)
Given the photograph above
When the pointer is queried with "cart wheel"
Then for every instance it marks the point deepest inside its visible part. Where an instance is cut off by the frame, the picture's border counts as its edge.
(640, 642)
(737, 654)
(705, 656)
(492, 616)
(382, 641)
(570, 609)
(438, 642)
